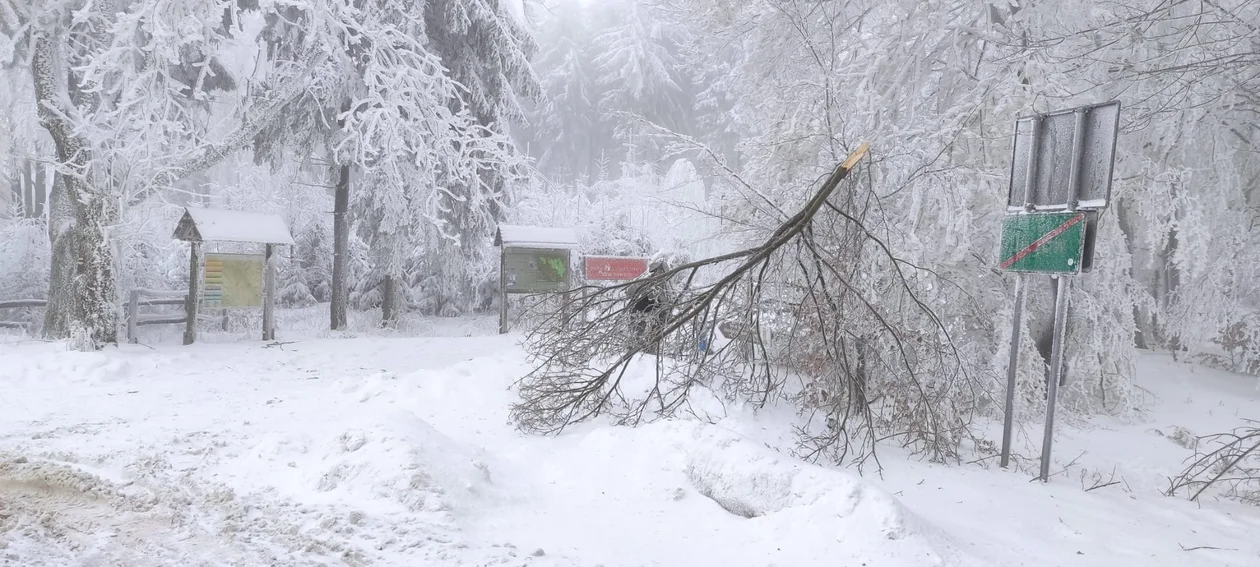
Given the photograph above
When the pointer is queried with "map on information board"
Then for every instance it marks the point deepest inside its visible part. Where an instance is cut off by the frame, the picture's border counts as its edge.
(535, 270)
(233, 281)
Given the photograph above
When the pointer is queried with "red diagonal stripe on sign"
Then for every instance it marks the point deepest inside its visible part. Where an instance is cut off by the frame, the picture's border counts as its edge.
(1042, 241)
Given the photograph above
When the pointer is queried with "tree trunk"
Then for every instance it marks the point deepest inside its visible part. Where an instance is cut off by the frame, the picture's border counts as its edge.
(26, 191)
(61, 274)
(40, 191)
(341, 250)
(1168, 280)
(92, 318)
(94, 322)
(389, 307)
(1143, 331)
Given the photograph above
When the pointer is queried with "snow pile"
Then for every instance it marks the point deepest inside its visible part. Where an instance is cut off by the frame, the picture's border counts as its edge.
(71, 368)
(751, 481)
(405, 460)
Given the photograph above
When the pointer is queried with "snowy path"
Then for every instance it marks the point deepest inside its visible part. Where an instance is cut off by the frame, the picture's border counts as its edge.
(398, 452)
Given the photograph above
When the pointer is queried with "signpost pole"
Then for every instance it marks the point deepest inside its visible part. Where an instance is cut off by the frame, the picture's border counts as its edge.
(1012, 367)
(194, 283)
(1062, 290)
(1062, 294)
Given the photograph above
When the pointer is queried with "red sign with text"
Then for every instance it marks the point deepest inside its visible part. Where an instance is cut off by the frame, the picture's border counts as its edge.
(613, 268)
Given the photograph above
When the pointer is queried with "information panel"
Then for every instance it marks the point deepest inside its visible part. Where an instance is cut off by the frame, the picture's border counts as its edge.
(536, 270)
(233, 281)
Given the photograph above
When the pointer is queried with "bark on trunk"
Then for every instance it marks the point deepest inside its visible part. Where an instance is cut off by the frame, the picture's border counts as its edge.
(1167, 282)
(341, 250)
(389, 307)
(61, 274)
(92, 318)
(94, 322)
(1143, 330)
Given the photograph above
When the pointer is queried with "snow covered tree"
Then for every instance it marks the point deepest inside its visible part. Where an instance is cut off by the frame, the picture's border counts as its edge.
(569, 132)
(429, 153)
(1187, 74)
(486, 49)
(639, 74)
(122, 89)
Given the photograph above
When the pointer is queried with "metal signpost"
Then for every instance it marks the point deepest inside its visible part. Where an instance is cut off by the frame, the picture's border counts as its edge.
(1061, 173)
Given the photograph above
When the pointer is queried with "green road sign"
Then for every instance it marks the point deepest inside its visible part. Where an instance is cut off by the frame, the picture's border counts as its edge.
(536, 270)
(1046, 243)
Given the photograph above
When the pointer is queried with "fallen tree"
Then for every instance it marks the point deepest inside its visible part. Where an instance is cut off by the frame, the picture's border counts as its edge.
(822, 298)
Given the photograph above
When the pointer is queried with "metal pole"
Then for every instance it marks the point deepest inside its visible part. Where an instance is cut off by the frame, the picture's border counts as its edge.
(1012, 367)
(1062, 292)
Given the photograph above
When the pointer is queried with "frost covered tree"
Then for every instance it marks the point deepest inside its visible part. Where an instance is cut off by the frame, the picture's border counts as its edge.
(608, 68)
(1185, 179)
(485, 49)
(639, 74)
(569, 133)
(429, 153)
(122, 89)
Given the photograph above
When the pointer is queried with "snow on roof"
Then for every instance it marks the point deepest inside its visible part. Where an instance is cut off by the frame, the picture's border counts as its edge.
(201, 225)
(536, 237)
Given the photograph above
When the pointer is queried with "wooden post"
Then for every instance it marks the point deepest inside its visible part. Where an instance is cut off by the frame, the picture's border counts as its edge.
(503, 295)
(341, 250)
(133, 307)
(269, 294)
(194, 290)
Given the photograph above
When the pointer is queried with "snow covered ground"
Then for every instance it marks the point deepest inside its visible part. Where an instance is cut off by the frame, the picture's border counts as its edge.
(397, 451)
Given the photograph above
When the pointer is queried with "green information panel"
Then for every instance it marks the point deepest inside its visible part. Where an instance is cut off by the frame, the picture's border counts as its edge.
(536, 270)
(1046, 243)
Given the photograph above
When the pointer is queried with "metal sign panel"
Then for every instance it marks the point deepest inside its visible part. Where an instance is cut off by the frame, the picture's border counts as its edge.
(1046, 243)
(613, 268)
(1063, 160)
(535, 270)
(233, 281)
